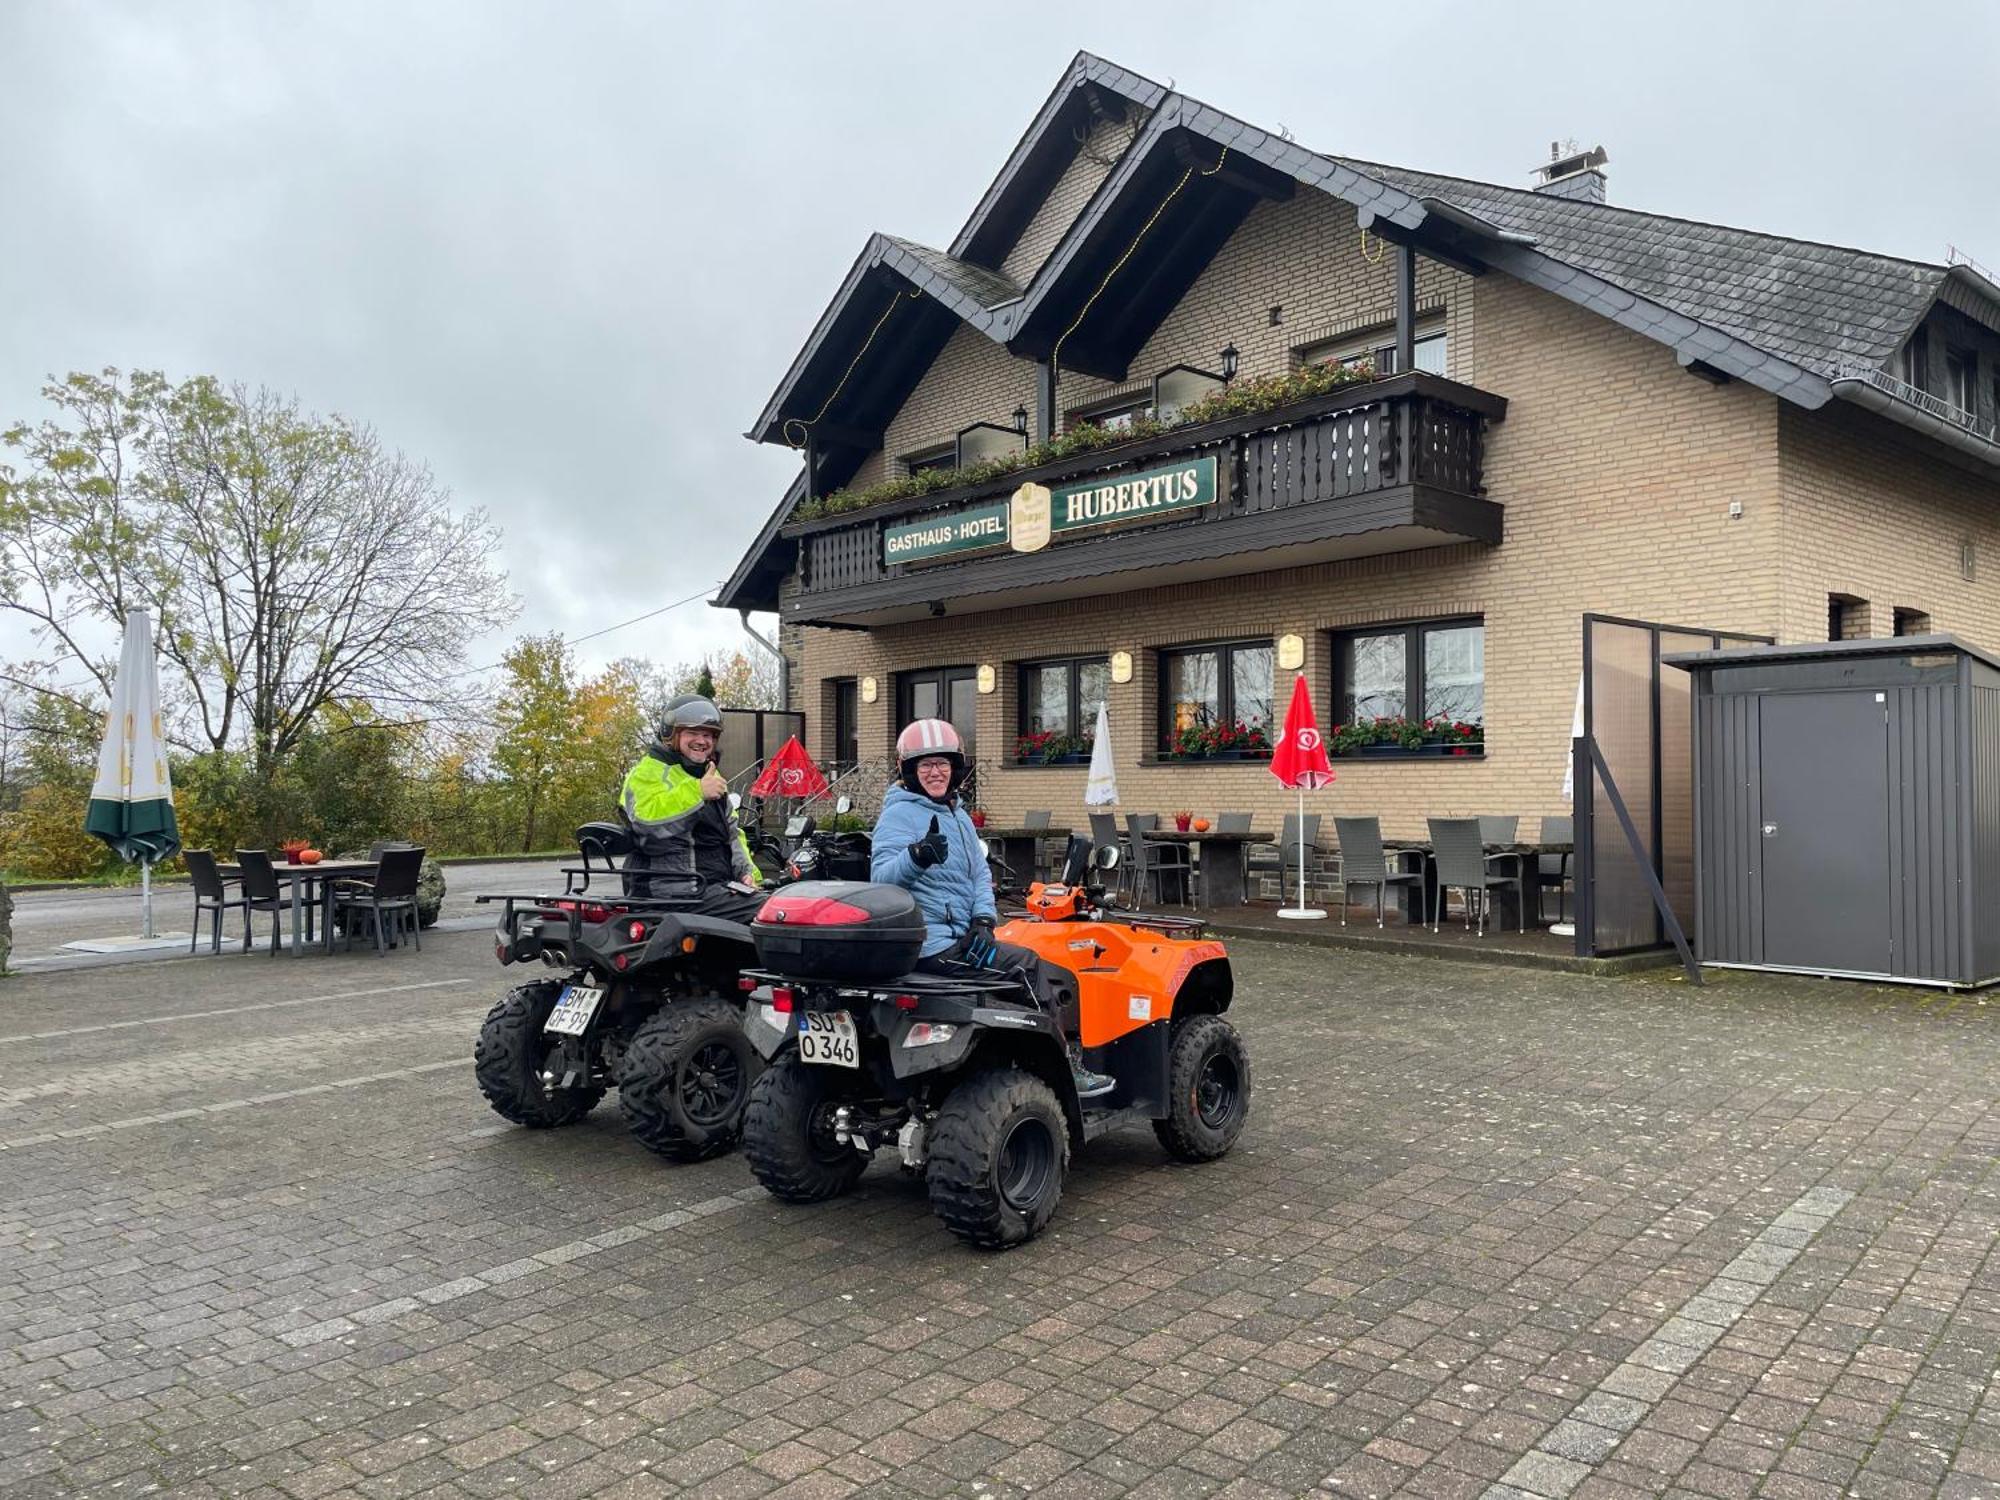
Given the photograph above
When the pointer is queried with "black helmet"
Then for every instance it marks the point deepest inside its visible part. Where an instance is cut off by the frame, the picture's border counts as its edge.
(688, 711)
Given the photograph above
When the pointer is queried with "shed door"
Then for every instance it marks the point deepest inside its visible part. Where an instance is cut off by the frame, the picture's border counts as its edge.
(1825, 844)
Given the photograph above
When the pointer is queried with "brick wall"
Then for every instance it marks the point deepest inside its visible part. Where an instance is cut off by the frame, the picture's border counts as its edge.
(1105, 143)
(1872, 514)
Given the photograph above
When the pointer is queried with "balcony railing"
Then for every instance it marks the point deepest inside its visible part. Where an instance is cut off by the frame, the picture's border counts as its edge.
(1393, 453)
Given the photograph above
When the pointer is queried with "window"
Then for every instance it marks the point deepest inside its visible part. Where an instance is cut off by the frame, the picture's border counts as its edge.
(1433, 670)
(933, 458)
(1378, 345)
(1910, 622)
(1846, 617)
(1218, 690)
(1112, 416)
(845, 750)
(1059, 703)
(1917, 360)
(1961, 379)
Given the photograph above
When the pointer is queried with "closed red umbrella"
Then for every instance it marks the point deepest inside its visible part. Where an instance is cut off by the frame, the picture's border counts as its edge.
(790, 773)
(1300, 763)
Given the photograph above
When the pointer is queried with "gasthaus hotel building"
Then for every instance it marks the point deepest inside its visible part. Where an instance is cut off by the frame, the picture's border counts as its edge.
(1187, 405)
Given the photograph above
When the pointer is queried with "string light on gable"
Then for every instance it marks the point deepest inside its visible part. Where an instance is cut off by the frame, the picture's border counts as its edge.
(805, 427)
(1055, 354)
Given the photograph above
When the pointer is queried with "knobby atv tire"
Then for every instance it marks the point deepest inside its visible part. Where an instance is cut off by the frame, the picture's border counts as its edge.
(508, 1062)
(685, 1078)
(784, 1138)
(987, 1121)
(1208, 1090)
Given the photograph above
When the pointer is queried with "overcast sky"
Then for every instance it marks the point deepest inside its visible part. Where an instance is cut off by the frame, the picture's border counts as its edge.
(563, 252)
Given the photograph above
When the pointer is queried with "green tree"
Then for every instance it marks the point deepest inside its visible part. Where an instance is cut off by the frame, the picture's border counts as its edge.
(537, 722)
(291, 561)
(704, 684)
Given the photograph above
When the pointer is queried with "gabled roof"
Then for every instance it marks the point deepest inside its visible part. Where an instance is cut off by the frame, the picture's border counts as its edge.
(1819, 306)
(1797, 319)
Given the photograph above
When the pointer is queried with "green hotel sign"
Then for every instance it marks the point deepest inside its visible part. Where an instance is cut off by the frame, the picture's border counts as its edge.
(1034, 514)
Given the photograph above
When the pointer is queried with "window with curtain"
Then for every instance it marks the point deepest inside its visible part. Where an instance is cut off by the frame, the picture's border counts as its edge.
(1058, 706)
(1430, 673)
(1216, 699)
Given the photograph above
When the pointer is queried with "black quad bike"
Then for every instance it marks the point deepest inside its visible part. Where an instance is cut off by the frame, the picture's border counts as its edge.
(643, 994)
(967, 1078)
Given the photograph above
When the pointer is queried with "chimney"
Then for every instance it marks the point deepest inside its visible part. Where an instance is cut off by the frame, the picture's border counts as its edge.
(1571, 173)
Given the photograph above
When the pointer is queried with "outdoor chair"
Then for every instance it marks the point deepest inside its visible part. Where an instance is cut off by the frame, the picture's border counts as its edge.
(1459, 852)
(386, 903)
(1280, 861)
(211, 894)
(1045, 852)
(1553, 869)
(1233, 822)
(1157, 863)
(1498, 830)
(1363, 861)
(261, 892)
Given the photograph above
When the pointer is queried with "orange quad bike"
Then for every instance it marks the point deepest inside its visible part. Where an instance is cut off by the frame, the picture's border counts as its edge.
(967, 1076)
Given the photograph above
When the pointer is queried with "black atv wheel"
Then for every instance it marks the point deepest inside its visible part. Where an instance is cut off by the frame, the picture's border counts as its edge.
(509, 1056)
(788, 1134)
(1208, 1090)
(999, 1152)
(685, 1078)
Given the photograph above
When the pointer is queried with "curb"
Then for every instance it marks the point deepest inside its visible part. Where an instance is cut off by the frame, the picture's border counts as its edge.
(1630, 963)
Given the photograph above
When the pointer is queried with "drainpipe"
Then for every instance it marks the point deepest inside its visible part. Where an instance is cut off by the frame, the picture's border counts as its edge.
(784, 666)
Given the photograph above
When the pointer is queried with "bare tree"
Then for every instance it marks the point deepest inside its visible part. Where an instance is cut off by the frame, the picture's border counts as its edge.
(290, 560)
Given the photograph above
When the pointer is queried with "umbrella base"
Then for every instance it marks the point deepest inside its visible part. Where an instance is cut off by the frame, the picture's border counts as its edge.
(1302, 913)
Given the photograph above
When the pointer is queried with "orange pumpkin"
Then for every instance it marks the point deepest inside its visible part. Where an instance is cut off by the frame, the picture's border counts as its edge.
(1201, 825)
(310, 856)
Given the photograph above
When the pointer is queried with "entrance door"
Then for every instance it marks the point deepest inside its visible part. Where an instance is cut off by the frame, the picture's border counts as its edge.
(943, 693)
(1825, 842)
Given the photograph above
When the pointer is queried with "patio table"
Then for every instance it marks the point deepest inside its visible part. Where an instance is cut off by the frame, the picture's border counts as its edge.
(1019, 846)
(301, 877)
(1515, 898)
(1223, 880)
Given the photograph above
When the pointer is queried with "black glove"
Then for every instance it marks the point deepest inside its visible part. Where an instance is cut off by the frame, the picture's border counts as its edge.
(979, 947)
(932, 848)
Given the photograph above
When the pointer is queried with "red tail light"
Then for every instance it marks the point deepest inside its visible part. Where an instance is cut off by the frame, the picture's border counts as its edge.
(781, 1000)
(906, 1002)
(588, 911)
(637, 932)
(810, 911)
(620, 959)
(500, 952)
(746, 984)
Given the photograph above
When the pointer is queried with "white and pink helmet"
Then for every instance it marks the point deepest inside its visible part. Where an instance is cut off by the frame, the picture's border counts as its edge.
(924, 738)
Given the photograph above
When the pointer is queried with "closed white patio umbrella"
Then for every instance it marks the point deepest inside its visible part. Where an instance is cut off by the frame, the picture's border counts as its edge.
(132, 799)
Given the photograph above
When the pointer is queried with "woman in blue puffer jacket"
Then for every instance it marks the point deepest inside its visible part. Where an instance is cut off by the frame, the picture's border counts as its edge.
(925, 842)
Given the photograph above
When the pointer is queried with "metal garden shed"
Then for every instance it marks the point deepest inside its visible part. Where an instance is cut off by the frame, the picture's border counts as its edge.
(1847, 809)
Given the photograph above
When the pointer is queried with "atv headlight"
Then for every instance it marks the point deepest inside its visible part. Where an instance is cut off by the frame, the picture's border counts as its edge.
(929, 1034)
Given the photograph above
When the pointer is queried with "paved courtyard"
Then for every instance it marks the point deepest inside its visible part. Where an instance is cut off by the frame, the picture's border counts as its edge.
(1490, 1232)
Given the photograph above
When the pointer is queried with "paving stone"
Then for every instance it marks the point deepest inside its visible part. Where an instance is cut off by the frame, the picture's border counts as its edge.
(1481, 1220)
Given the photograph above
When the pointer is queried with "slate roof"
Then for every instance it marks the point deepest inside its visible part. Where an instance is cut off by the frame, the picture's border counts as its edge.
(988, 288)
(1823, 307)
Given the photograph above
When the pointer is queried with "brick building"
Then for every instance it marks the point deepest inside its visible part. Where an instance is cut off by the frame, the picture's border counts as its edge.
(1404, 430)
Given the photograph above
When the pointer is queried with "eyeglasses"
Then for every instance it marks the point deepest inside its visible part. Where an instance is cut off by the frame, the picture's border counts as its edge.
(934, 763)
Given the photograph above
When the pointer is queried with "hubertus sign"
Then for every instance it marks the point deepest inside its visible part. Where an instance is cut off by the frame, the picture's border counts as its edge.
(1035, 514)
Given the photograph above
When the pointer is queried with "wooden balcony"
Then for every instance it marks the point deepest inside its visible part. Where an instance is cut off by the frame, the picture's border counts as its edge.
(1390, 466)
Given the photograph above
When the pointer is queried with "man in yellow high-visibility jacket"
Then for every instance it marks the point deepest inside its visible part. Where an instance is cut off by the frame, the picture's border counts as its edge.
(677, 806)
